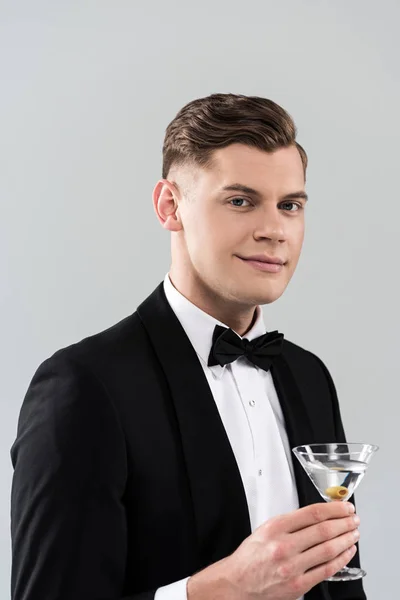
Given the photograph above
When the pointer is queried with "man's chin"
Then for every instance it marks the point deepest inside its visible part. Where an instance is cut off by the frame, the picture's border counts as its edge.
(262, 298)
(269, 299)
(267, 294)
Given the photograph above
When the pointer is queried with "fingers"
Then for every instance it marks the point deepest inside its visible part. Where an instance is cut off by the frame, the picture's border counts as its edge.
(328, 551)
(322, 532)
(313, 514)
(318, 574)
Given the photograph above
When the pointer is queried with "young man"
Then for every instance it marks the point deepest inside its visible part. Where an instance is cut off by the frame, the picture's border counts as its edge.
(153, 460)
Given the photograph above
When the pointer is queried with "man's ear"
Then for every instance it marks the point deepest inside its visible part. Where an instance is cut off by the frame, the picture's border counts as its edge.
(165, 202)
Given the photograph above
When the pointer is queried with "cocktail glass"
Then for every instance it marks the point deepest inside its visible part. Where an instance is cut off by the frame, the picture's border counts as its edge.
(336, 470)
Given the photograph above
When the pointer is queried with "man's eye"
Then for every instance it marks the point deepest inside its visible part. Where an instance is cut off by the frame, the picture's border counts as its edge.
(238, 200)
(291, 206)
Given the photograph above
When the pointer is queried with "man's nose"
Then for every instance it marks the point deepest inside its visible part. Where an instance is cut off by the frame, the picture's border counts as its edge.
(270, 226)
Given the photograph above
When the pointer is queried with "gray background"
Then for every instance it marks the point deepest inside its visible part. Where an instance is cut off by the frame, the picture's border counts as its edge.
(87, 89)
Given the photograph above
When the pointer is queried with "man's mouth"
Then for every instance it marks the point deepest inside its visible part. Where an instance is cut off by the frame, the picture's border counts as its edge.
(264, 262)
(269, 264)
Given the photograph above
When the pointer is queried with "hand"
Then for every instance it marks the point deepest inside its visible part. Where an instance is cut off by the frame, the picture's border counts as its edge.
(285, 557)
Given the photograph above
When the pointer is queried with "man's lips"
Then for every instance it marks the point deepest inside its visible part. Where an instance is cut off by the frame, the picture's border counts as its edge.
(276, 260)
(269, 264)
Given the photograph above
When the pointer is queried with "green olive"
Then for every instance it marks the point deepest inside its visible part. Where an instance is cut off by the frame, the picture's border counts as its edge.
(337, 492)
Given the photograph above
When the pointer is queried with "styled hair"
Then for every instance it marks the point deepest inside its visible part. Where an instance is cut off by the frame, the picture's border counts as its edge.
(206, 124)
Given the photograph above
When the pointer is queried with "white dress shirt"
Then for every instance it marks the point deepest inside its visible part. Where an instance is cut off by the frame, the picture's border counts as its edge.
(251, 414)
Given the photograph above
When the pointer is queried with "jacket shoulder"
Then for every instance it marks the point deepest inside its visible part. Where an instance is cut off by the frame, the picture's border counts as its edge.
(105, 347)
(294, 352)
(308, 368)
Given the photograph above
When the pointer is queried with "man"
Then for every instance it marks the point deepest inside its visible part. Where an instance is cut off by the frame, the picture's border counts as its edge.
(153, 460)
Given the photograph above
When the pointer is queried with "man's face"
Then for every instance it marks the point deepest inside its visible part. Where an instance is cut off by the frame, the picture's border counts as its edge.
(224, 227)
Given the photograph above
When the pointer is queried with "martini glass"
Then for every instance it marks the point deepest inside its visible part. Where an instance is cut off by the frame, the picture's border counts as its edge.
(336, 471)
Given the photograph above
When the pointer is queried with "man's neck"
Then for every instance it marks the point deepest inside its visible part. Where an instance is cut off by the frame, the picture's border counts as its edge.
(239, 319)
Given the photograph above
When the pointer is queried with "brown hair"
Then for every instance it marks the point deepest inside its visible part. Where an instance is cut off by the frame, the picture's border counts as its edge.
(206, 124)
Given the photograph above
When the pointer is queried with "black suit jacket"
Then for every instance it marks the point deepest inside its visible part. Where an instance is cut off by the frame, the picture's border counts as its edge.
(124, 477)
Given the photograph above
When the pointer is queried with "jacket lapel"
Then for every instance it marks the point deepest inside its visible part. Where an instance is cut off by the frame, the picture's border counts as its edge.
(300, 431)
(298, 424)
(219, 501)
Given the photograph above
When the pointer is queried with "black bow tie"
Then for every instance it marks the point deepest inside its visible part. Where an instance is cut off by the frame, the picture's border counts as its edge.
(227, 346)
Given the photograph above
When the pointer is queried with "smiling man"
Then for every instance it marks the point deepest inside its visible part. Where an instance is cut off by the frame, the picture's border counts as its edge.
(153, 460)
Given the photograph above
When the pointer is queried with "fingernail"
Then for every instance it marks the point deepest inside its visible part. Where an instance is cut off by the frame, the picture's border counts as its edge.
(356, 534)
(351, 507)
(356, 519)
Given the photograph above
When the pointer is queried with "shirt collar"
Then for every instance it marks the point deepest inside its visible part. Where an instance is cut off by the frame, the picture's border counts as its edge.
(199, 326)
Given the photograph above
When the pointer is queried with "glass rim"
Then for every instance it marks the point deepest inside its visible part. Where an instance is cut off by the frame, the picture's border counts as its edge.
(371, 447)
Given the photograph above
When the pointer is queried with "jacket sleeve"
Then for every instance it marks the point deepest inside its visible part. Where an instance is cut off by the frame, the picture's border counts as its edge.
(352, 590)
(68, 522)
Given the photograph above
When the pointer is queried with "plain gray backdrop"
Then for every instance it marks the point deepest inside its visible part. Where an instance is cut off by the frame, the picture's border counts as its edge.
(87, 90)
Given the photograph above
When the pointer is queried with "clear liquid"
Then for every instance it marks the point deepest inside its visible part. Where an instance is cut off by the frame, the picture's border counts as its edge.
(336, 479)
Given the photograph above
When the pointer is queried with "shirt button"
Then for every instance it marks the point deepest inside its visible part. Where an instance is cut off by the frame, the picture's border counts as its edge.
(252, 402)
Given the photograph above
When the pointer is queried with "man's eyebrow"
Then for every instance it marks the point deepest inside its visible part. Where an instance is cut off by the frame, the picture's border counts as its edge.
(239, 187)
